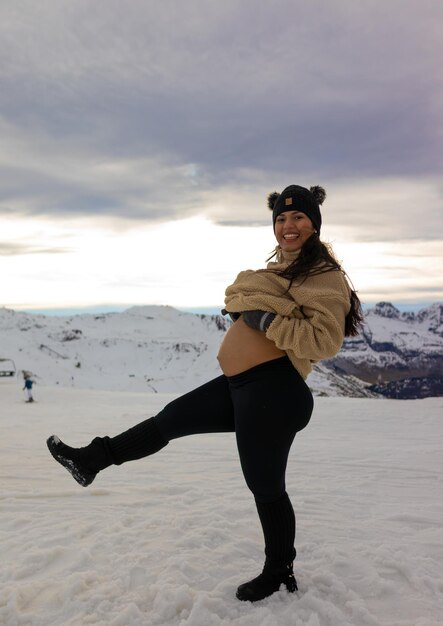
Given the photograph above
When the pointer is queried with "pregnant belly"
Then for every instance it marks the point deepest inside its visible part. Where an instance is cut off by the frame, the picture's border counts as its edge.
(243, 348)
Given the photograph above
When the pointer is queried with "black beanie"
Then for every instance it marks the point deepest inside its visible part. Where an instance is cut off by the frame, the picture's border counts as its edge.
(296, 198)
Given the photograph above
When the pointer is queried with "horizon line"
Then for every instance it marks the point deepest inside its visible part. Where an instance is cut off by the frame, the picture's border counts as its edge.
(97, 309)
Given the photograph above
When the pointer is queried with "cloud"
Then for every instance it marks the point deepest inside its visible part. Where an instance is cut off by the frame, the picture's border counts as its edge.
(386, 209)
(157, 111)
(17, 249)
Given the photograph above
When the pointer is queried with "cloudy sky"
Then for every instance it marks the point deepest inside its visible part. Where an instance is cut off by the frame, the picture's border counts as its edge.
(139, 141)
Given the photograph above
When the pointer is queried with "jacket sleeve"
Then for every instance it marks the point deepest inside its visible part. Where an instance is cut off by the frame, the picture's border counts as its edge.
(319, 335)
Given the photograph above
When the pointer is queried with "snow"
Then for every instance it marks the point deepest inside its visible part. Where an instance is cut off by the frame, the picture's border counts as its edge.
(167, 539)
(146, 348)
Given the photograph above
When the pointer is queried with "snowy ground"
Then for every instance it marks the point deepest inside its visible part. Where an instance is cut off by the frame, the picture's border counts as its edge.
(166, 540)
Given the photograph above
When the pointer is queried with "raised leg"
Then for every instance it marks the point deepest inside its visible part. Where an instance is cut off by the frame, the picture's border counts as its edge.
(204, 410)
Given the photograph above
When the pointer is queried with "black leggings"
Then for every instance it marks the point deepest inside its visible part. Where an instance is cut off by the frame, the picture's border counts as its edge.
(265, 407)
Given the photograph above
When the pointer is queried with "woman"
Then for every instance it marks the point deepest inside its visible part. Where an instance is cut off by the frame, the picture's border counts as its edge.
(286, 317)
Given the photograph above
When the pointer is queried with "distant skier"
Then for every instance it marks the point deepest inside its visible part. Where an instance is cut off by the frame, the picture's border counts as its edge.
(28, 387)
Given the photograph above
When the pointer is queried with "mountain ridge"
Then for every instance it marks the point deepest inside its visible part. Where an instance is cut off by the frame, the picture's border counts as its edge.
(395, 346)
(160, 349)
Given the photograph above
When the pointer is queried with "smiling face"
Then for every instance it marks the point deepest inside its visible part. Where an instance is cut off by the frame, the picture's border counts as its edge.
(292, 229)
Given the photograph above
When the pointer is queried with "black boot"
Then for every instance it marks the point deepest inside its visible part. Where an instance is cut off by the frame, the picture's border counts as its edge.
(85, 463)
(268, 582)
(278, 523)
(82, 463)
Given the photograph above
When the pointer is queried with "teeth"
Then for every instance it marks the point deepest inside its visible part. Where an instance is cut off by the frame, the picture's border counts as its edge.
(290, 236)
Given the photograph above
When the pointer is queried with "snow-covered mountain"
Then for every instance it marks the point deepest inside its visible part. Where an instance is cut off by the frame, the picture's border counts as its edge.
(399, 354)
(152, 348)
(161, 349)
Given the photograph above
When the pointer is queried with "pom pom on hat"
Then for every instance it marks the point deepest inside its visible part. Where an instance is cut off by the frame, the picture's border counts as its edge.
(319, 194)
(272, 199)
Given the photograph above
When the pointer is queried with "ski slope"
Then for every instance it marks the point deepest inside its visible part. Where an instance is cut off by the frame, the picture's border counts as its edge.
(166, 540)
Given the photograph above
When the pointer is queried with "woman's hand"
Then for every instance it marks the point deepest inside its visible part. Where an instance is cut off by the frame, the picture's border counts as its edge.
(258, 320)
(234, 316)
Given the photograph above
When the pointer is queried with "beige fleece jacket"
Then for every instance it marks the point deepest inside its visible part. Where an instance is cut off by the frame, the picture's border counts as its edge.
(310, 318)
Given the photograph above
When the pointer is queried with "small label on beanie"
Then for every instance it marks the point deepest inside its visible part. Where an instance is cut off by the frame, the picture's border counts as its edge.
(288, 201)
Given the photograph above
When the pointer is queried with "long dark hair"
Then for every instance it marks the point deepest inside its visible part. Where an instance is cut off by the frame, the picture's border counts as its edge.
(317, 258)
